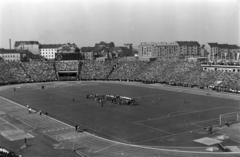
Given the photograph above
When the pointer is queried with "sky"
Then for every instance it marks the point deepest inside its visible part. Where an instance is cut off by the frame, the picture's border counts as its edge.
(86, 22)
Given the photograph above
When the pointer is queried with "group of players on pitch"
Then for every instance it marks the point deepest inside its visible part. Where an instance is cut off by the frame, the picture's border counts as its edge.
(114, 99)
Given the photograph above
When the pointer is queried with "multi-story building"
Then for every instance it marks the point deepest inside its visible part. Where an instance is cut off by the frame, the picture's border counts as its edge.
(222, 52)
(234, 52)
(104, 44)
(12, 55)
(105, 50)
(168, 50)
(49, 51)
(147, 51)
(188, 49)
(87, 53)
(32, 46)
(68, 48)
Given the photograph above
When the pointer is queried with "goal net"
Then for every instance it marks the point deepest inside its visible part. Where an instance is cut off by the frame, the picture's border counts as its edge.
(228, 117)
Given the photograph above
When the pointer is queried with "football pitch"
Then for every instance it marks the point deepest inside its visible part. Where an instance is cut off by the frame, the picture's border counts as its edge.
(160, 117)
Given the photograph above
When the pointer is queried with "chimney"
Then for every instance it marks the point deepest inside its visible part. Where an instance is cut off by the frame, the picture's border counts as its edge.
(10, 43)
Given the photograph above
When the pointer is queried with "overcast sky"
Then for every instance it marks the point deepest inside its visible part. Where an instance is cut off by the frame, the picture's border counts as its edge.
(86, 22)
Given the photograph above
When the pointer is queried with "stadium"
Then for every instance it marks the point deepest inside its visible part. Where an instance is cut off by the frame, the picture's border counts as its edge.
(175, 105)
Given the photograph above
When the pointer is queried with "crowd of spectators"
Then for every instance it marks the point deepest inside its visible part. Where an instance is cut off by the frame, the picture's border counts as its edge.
(178, 73)
(40, 71)
(67, 65)
(128, 70)
(96, 70)
(12, 72)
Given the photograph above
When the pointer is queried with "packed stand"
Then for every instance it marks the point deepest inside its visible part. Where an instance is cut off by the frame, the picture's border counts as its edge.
(67, 65)
(128, 70)
(12, 72)
(179, 73)
(96, 70)
(40, 71)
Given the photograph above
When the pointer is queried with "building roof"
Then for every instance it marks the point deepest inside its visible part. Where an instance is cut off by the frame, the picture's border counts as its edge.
(233, 47)
(166, 43)
(86, 49)
(50, 46)
(213, 44)
(223, 46)
(188, 43)
(102, 43)
(98, 49)
(17, 43)
(147, 43)
(5, 51)
(116, 48)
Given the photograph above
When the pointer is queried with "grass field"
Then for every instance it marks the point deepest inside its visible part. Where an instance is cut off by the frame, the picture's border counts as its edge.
(161, 118)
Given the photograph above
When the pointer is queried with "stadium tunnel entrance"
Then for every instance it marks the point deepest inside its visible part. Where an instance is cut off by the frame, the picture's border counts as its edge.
(68, 75)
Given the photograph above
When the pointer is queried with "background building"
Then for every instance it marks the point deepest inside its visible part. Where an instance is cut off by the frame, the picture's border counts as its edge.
(188, 49)
(104, 50)
(32, 46)
(68, 48)
(168, 50)
(49, 51)
(222, 52)
(14, 55)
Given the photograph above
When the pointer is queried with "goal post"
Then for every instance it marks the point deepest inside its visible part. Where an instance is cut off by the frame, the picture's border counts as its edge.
(228, 117)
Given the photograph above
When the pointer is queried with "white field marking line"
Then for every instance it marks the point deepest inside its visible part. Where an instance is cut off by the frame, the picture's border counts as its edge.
(105, 148)
(154, 128)
(169, 135)
(186, 111)
(235, 140)
(10, 124)
(182, 114)
(70, 125)
(131, 144)
(81, 153)
(204, 121)
(177, 147)
(57, 145)
(12, 139)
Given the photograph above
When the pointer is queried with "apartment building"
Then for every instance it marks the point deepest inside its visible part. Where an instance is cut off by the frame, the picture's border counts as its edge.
(49, 50)
(222, 52)
(168, 50)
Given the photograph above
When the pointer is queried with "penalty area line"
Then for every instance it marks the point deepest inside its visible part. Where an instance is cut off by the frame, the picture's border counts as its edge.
(154, 128)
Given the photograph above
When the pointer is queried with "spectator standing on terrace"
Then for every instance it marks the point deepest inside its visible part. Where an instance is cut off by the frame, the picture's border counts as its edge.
(76, 127)
(73, 99)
